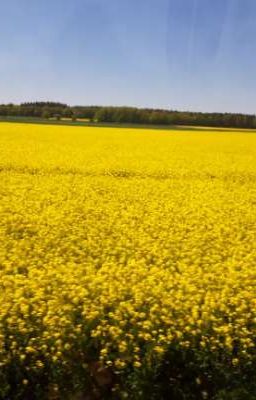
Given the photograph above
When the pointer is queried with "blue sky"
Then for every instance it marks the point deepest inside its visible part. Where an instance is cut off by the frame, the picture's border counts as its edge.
(180, 54)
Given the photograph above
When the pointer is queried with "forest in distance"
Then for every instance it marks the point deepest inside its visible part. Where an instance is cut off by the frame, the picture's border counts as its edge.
(130, 115)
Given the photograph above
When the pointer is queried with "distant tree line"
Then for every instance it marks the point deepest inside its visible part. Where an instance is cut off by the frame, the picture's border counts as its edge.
(128, 115)
(47, 110)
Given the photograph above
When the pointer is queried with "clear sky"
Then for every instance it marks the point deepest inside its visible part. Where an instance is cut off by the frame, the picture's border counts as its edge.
(179, 54)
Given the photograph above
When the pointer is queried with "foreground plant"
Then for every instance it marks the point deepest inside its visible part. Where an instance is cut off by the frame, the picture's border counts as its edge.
(127, 264)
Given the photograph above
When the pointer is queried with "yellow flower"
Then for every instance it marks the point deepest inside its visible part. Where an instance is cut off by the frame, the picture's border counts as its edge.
(137, 364)
(127, 242)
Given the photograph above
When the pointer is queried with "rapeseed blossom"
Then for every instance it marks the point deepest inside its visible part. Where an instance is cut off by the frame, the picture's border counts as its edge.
(117, 244)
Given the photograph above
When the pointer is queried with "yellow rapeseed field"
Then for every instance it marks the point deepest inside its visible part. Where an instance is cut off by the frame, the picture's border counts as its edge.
(118, 245)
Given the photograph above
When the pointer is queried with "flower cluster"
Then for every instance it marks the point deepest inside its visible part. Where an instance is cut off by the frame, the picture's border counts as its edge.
(119, 244)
